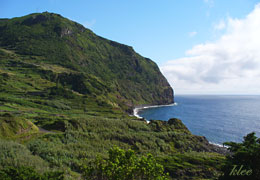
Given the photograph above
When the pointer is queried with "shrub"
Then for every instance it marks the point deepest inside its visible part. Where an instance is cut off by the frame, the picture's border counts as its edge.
(244, 156)
(124, 165)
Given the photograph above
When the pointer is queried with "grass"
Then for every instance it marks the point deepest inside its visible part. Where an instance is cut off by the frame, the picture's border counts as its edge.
(80, 140)
(80, 88)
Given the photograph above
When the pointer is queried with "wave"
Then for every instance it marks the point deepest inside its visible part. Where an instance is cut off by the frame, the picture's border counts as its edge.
(135, 113)
(137, 109)
(219, 145)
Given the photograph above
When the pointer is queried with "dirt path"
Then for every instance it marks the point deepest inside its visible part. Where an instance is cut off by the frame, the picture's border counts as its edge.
(45, 131)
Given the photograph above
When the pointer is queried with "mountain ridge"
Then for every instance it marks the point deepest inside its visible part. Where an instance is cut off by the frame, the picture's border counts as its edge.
(68, 44)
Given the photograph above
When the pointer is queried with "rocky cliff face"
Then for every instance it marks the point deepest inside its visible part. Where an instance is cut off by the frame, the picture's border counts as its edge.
(101, 68)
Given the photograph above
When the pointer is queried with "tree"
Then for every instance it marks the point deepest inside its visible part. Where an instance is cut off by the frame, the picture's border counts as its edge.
(124, 165)
(243, 162)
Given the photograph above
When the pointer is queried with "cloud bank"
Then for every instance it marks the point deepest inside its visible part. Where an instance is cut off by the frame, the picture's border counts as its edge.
(230, 65)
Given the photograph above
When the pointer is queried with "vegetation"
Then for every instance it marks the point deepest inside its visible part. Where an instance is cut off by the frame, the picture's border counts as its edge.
(124, 165)
(244, 161)
(82, 139)
(193, 165)
(63, 52)
(65, 97)
(28, 173)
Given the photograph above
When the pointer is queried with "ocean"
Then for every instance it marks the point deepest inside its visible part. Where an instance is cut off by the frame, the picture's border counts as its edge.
(220, 118)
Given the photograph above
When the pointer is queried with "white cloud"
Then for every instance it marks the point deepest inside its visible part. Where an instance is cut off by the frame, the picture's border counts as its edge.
(194, 33)
(230, 65)
(220, 25)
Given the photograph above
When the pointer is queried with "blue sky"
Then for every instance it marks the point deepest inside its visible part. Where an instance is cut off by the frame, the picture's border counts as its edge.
(161, 30)
(201, 46)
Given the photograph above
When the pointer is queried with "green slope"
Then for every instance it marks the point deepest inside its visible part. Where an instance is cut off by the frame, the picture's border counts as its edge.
(91, 64)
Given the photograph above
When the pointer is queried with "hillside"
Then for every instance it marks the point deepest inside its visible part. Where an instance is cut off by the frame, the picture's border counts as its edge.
(65, 53)
(66, 95)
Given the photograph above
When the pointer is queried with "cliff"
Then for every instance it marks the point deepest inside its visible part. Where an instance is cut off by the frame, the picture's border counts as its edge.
(84, 62)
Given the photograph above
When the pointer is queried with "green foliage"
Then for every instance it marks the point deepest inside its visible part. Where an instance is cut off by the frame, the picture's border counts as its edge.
(11, 126)
(77, 87)
(84, 138)
(245, 155)
(192, 165)
(57, 91)
(82, 61)
(16, 155)
(124, 165)
(28, 173)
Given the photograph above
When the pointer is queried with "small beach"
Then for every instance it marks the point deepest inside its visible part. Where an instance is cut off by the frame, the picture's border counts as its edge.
(137, 109)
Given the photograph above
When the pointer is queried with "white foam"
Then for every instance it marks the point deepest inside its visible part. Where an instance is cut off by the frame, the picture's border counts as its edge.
(137, 109)
(135, 113)
(219, 145)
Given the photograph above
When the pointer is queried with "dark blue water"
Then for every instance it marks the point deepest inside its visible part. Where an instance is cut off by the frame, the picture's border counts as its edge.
(218, 118)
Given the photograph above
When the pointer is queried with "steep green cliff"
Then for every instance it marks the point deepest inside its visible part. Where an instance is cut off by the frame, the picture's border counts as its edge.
(66, 53)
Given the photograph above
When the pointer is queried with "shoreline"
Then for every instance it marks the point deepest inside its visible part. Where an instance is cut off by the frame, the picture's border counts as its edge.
(218, 147)
(138, 108)
(217, 144)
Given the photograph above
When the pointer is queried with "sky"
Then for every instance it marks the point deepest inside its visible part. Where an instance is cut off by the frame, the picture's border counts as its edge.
(201, 46)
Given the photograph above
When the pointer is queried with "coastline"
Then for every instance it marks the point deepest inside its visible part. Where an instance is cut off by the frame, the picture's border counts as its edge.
(217, 147)
(138, 108)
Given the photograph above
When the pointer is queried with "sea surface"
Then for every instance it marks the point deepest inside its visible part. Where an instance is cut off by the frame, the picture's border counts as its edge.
(217, 117)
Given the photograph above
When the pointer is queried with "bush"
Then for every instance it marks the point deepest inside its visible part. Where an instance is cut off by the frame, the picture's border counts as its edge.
(245, 157)
(124, 165)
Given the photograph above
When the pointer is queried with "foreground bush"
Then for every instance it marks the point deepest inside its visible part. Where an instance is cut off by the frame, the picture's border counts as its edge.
(244, 161)
(124, 165)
